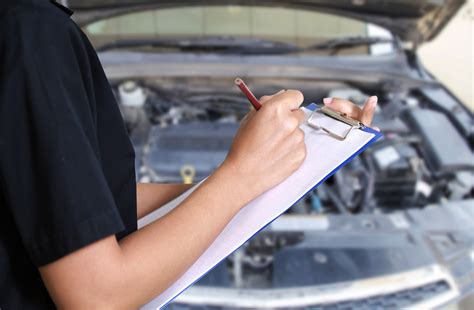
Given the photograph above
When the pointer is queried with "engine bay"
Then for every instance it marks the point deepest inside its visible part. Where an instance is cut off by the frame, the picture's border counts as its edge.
(182, 131)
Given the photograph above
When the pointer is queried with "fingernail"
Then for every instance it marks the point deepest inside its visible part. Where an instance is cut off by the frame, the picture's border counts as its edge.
(327, 100)
(373, 101)
(280, 92)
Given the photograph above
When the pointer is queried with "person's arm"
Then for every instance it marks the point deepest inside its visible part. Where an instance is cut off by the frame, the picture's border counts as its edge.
(268, 147)
(151, 196)
(110, 274)
(107, 274)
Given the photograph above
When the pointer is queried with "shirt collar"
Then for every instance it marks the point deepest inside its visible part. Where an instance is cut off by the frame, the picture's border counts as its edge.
(66, 10)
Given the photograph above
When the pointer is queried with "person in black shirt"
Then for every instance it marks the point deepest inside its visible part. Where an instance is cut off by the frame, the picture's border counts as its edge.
(69, 202)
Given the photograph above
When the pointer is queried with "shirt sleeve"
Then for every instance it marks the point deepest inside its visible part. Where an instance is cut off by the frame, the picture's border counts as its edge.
(50, 165)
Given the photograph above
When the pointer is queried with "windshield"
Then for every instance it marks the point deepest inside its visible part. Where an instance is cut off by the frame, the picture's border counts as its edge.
(299, 28)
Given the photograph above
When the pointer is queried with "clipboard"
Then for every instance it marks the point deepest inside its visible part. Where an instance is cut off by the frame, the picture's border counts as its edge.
(332, 140)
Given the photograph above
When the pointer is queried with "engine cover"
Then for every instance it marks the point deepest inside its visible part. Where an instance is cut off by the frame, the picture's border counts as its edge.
(201, 146)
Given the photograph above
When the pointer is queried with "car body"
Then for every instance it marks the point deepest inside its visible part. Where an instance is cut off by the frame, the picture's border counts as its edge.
(393, 229)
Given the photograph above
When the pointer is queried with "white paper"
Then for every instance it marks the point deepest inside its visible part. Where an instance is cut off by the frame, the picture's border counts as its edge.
(324, 155)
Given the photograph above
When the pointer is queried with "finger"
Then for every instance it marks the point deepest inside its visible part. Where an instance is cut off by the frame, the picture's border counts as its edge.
(368, 110)
(290, 99)
(266, 98)
(300, 115)
(343, 106)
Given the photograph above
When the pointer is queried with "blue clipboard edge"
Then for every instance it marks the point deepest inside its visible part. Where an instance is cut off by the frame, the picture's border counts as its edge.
(311, 107)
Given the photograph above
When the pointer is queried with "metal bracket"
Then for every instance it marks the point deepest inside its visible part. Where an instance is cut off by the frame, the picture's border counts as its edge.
(342, 117)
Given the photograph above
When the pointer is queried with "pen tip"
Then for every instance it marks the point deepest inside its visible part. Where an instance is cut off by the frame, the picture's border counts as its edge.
(238, 81)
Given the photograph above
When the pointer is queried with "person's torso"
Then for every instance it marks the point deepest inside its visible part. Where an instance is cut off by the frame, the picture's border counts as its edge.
(20, 284)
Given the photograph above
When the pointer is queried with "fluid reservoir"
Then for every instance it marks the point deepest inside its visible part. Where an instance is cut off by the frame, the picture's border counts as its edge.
(131, 94)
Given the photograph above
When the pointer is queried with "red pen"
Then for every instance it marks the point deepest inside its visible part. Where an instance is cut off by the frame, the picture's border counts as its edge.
(251, 97)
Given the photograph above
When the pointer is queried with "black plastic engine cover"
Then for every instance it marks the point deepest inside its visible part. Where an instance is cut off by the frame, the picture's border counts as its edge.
(201, 145)
(445, 149)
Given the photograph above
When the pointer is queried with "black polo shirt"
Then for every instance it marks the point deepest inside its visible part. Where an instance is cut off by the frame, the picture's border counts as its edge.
(67, 176)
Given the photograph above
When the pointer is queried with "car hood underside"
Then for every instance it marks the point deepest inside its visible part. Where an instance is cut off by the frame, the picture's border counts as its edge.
(416, 21)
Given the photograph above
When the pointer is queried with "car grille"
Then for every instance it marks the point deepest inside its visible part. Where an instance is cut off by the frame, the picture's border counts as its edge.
(395, 300)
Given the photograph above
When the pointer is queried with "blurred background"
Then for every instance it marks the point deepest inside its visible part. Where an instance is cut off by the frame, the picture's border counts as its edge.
(456, 40)
(392, 229)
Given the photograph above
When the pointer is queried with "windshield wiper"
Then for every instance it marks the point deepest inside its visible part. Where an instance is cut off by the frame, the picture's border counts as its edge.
(226, 45)
(335, 45)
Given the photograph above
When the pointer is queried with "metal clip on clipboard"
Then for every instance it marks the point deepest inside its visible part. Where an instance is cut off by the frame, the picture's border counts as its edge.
(342, 117)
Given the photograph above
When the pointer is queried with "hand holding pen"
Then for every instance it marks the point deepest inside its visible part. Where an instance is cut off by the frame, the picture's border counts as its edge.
(269, 146)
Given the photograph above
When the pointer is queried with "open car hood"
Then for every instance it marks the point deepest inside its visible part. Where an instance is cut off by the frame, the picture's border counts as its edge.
(416, 21)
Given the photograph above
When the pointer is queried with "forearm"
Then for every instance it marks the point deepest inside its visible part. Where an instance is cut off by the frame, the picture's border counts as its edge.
(151, 196)
(158, 254)
(268, 148)
(130, 273)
